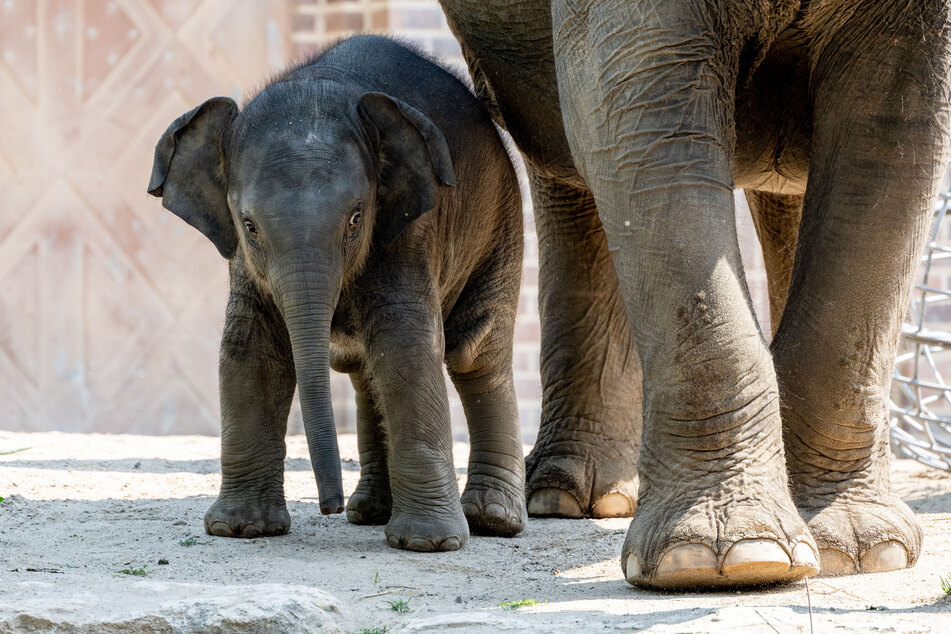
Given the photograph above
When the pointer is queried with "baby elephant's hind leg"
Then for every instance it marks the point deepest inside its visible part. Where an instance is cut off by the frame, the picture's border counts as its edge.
(371, 502)
(480, 365)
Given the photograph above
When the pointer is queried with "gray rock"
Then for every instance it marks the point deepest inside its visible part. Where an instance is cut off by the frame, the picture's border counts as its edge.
(153, 606)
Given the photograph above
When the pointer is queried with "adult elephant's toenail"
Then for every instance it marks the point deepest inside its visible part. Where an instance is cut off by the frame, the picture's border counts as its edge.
(554, 503)
(687, 565)
(890, 555)
(613, 505)
(803, 555)
(834, 562)
(756, 559)
(631, 567)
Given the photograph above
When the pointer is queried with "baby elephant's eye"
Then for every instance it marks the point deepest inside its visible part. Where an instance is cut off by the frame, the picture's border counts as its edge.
(249, 226)
(355, 218)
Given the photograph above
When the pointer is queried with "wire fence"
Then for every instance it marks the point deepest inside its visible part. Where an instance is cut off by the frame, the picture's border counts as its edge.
(920, 403)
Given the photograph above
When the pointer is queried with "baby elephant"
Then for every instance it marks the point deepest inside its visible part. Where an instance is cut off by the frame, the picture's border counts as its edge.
(372, 220)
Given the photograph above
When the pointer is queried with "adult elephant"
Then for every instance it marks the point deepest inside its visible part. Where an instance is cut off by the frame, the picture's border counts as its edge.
(759, 460)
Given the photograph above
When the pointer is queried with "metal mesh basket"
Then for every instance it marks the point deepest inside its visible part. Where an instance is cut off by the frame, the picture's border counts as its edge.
(920, 401)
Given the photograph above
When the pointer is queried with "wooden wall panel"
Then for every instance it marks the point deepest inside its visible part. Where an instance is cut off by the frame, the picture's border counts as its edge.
(110, 307)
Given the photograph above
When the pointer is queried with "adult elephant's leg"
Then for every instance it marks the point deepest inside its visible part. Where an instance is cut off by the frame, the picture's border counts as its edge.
(257, 380)
(371, 502)
(405, 350)
(877, 160)
(647, 102)
(584, 462)
(776, 218)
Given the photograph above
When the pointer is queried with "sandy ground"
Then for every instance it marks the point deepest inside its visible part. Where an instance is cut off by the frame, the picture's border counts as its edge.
(79, 508)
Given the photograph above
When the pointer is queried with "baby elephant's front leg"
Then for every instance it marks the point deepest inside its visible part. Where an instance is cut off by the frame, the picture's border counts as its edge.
(257, 381)
(407, 372)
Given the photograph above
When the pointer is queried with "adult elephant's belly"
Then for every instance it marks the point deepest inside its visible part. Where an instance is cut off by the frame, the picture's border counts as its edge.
(508, 48)
(774, 122)
(772, 153)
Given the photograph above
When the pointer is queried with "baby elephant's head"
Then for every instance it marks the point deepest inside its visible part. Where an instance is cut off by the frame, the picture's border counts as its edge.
(300, 184)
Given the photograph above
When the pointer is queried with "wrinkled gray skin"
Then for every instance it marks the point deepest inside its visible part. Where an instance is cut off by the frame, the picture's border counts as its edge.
(373, 224)
(643, 117)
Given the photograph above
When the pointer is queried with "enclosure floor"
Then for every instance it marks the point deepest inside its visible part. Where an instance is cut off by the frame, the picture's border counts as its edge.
(81, 507)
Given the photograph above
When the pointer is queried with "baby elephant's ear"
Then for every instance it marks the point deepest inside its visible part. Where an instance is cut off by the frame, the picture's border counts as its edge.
(186, 171)
(413, 156)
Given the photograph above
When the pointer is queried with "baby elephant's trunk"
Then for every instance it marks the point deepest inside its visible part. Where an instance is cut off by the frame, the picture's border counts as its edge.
(307, 301)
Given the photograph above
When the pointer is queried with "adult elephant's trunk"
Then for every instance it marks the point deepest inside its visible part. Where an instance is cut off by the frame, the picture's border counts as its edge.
(307, 299)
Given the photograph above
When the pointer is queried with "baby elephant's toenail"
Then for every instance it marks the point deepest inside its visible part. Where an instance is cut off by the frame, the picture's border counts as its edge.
(450, 543)
(221, 529)
(251, 530)
(495, 511)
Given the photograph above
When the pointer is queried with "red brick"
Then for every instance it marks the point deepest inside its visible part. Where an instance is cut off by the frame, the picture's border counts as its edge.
(303, 22)
(416, 18)
(525, 361)
(528, 388)
(343, 22)
(527, 331)
(380, 19)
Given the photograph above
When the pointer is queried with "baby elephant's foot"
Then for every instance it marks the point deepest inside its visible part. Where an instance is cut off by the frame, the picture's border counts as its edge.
(371, 503)
(428, 530)
(876, 535)
(231, 517)
(492, 508)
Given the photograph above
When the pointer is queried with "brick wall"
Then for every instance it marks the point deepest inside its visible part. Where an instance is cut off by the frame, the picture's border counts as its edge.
(316, 22)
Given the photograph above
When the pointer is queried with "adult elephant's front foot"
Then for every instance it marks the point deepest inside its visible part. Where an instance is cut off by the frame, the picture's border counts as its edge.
(858, 524)
(428, 530)
(577, 470)
(715, 508)
(251, 517)
(744, 531)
